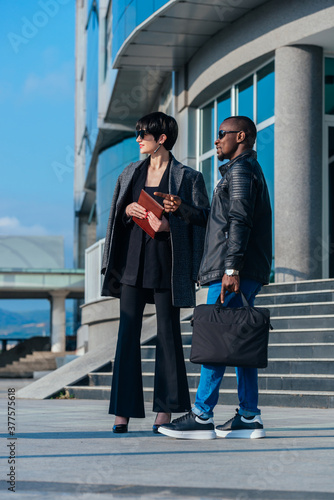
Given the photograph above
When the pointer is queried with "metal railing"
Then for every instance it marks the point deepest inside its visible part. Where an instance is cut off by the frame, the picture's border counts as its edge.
(93, 276)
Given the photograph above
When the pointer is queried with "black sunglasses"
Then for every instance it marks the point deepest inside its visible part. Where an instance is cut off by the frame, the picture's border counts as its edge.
(222, 133)
(141, 133)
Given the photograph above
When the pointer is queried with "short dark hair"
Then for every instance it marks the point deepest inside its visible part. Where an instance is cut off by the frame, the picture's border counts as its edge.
(158, 123)
(247, 125)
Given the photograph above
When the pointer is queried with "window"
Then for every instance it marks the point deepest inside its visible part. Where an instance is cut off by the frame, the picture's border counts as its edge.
(254, 96)
(207, 168)
(244, 98)
(265, 93)
(223, 107)
(207, 126)
(329, 86)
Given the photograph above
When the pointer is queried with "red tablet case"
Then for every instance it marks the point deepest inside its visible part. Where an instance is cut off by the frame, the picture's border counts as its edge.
(146, 201)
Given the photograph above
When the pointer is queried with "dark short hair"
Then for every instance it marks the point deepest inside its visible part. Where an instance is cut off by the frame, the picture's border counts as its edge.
(158, 123)
(247, 125)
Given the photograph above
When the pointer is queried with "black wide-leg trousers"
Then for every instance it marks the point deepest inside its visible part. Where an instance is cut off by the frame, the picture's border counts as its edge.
(171, 393)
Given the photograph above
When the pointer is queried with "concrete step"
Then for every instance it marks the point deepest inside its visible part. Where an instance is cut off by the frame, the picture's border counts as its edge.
(292, 318)
(298, 286)
(44, 354)
(186, 327)
(295, 297)
(302, 322)
(86, 392)
(36, 365)
(297, 382)
(275, 365)
(301, 336)
(302, 309)
(285, 336)
(310, 399)
(298, 350)
(275, 350)
(6, 373)
(279, 310)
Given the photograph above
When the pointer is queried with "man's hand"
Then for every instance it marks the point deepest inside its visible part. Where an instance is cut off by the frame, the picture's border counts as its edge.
(136, 210)
(229, 284)
(171, 201)
(157, 224)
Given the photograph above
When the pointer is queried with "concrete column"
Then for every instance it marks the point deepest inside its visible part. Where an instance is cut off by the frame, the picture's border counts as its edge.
(298, 162)
(58, 321)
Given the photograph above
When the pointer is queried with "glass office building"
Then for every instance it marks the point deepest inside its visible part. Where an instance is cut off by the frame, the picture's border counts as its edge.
(202, 62)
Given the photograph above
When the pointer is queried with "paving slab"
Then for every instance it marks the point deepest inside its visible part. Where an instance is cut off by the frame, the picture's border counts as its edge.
(65, 449)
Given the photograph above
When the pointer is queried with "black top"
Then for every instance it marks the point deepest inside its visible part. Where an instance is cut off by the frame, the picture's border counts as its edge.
(149, 261)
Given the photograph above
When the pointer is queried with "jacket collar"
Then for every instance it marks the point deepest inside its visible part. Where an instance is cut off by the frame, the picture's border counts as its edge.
(176, 175)
(249, 153)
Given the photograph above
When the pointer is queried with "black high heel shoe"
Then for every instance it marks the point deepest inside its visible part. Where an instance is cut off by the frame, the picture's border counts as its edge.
(155, 427)
(121, 428)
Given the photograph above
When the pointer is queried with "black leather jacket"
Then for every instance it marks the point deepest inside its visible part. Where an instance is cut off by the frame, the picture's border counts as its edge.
(239, 223)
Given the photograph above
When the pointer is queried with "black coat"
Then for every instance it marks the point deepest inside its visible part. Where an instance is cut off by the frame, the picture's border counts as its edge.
(186, 240)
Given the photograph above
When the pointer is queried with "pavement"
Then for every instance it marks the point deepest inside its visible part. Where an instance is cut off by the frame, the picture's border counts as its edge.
(65, 449)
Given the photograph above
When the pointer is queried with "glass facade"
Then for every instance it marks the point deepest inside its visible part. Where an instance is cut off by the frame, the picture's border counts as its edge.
(223, 108)
(207, 128)
(111, 163)
(265, 154)
(207, 168)
(127, 15)
(254, 97)
(330, 160)
(245, 98)
(265, 81)
(92, 82)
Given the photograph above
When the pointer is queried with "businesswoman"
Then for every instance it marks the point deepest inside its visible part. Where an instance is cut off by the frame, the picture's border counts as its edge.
(141, 270)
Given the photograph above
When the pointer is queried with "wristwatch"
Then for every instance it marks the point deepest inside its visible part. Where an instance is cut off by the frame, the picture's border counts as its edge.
(231, 272)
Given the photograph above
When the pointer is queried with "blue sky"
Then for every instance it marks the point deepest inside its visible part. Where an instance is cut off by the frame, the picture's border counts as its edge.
(37, 54)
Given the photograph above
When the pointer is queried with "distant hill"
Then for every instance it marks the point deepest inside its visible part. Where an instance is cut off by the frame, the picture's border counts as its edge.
(29, 324)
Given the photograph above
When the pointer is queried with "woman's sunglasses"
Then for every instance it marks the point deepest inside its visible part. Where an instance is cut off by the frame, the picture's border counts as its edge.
(141, 133)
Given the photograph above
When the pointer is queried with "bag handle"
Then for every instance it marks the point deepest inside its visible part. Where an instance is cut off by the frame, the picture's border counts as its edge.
(244, 301)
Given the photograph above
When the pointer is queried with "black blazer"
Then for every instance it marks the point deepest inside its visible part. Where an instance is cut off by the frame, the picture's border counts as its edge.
(187, 240)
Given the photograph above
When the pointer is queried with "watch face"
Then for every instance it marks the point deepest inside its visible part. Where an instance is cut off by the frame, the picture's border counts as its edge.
(231, 272)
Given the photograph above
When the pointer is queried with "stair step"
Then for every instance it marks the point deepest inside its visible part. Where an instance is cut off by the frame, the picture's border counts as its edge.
(301, 354)
(302, 336)
(86, 392)
(275, 365)
(301, 322)
(30, 367)
(311, 399)
(298, 286)
(285, 335)
(276, 350)
(297, 382)
(312, 296)
(301, 309)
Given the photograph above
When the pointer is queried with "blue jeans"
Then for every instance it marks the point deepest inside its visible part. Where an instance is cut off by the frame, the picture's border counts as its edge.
(211, 376)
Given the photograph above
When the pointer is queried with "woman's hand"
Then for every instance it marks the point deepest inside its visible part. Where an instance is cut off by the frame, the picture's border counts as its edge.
(136, 210)
(171, 201)
(157, 224)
